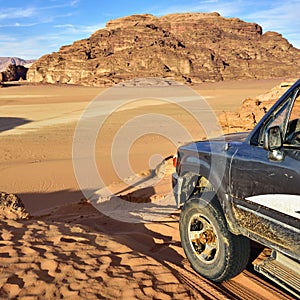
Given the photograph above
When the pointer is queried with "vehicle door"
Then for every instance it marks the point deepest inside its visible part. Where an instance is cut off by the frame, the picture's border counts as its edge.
(265, 185)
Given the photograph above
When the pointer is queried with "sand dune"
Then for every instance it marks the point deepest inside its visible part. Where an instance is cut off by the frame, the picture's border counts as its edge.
(76, 252)
(69, 249)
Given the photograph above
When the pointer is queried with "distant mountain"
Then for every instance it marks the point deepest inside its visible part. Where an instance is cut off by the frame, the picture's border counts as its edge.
(189, 47)
(6, 61)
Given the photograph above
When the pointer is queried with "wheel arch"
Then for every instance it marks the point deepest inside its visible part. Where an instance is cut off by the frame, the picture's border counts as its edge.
(193, 183)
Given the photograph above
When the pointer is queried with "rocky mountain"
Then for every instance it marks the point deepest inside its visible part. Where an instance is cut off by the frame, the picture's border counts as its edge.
(190, 47)
(16, 61)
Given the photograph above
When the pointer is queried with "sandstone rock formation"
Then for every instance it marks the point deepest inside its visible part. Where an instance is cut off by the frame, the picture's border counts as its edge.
(14, 73)
(11, 207)
(190, 47)
(252, 110)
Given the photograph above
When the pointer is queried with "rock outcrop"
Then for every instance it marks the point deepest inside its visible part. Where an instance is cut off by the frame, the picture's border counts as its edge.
(12, 207)
(190, 47)
(13, 73)
(252, 110)
(6, 61)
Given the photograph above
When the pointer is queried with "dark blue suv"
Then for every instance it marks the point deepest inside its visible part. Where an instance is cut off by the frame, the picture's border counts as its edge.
(243, 187)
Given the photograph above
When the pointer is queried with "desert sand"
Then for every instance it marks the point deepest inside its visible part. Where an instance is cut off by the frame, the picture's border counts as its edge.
(71, 249)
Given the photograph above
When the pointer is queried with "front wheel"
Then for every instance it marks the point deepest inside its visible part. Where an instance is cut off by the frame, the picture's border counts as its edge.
(212, 250)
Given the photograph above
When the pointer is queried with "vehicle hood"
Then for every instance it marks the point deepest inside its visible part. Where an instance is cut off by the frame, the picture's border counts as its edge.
(215, 144)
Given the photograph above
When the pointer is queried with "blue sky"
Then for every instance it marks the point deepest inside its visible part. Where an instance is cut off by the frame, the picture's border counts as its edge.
(32, 28)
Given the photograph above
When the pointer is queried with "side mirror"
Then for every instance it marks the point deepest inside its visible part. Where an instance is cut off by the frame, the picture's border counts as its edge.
(273, 139)
(273, 142)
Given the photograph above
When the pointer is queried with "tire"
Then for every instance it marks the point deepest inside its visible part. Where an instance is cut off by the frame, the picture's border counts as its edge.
(213, 251)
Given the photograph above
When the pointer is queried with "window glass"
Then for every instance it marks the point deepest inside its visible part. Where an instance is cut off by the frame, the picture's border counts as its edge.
(295, 114)
(293, 130)
(278, 118)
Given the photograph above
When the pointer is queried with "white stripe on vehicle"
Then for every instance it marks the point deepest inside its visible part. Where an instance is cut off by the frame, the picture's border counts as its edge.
(284, 203)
